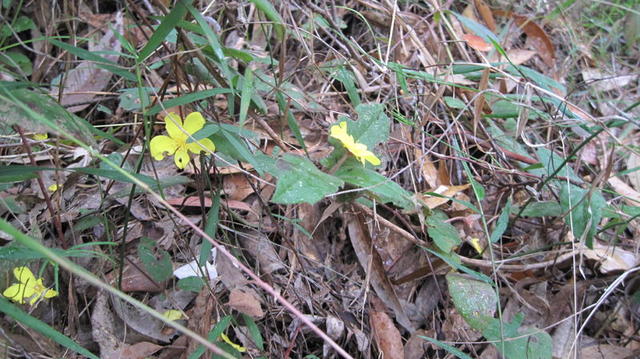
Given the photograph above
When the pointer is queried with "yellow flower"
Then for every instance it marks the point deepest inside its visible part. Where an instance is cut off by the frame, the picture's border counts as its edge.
(359, 150)
(176, 143)
(54, 187)
(40, 136)
(29, 287)
(235, 346)
(172, 314)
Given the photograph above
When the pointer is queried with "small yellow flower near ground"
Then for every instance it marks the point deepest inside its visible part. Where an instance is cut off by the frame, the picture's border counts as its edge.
(54, 187)
(235, 346)
(359, 150)
(176, 143)
(29, 287)
(40, 136)
(172, 314)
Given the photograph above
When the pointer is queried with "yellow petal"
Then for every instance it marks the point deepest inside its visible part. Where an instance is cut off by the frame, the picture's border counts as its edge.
(40, 136)
(475, 243)
(161, 144)
(360, 151)
(50, 293)
(194, 122)
(196, 147)
(24, 275)
(181, 157)
(235, 346)
(172, 314)
(173, 124)
(339, 132)
(54, 187)
(15, 293)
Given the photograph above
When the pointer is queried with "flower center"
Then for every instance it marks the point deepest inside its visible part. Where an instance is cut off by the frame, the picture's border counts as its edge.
(39, 288)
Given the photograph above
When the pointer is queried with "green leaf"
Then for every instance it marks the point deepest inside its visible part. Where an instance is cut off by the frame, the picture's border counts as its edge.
(270, 12)
(157, 262)
(254, 332)
(27, 320)
(540, 209)
(443, 234)
(518, 343)
(299, 180)
(476, 301)
(502, 223)
(168, 23)
(453, 350)
(245, 96)
(372, 126)
(386, 190)
(454, 102)
(586, 211)
(346, 78)
(211, 228)
(12, 173)
(192, 284)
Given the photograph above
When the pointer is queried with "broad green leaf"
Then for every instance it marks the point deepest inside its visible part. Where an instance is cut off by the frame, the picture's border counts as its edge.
(552, 162)
(299, 180)
(210, 228)
(386, 190)
(454, 103)
(43, 328)
(254, 332)
(157, 262)
(476, 301)
(515, 342)
(586, 211)
(168, 23)
(12, 173)
(372, 126)
(443, 234)
(503, 109)
(192, 284)
(540, 209)
(454, 262)
(502, 223)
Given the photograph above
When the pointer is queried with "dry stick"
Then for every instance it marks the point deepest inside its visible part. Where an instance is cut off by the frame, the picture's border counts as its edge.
(56, 216)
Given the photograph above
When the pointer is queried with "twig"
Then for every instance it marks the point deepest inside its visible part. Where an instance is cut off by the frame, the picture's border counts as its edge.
(57, 223)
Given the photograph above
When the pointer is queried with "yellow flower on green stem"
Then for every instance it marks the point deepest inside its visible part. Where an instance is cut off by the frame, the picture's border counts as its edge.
(359, 150)
(176, 143)
(28, 288)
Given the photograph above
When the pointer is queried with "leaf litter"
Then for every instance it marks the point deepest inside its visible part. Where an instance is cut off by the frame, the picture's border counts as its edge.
(485, 224)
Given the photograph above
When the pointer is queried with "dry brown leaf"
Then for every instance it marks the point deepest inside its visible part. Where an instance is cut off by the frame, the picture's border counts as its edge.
(487, 15)
(536, 36)
(133, 280)
(605, 351)
(386, 335)
(520, 56)
(83, 83)
(477, 43)
(633, 162)
(236, 186)
(611, 258)
(429, 170)
(631, 196)
(258, 245)
(245, 303)
(604, 82)
(372, 263)
(446, 191)
(136, 351)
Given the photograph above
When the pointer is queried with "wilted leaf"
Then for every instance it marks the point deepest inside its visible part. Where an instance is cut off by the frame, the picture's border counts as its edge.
(386, 335)
(245, 303)
(631, 196)
(535, 35)
(447, 192)
(611, 258)
(477, 43)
